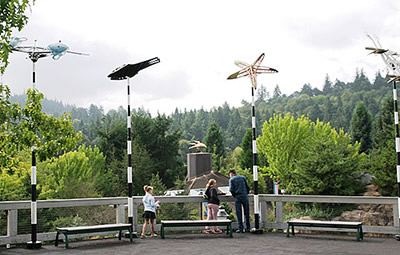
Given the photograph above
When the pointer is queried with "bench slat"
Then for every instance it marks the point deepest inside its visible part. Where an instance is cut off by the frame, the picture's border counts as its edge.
(92, 229)
(326, 224)
(355, 223)
(108, 226)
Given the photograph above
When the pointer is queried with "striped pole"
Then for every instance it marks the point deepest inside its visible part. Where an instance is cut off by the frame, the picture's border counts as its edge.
(255, 168)
(33, 244)
(34, 74)
(129, 170)
(396, 123)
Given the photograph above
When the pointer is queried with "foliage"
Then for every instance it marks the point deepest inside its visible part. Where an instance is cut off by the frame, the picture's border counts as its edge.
(12, 16)
(310, 158)
(11, 186)
(215, 143)
(29, 126)
(330, 164)
(383, 167)
(361, 126)
(383, 156)
(158, 186)
(76, 174)
(282, 143)
(246, 158)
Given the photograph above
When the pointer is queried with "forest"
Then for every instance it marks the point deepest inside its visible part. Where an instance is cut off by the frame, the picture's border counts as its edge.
(352, 121)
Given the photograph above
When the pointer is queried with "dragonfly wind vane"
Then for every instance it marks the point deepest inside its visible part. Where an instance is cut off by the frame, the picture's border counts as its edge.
(393, 66)
(252, 70)
(389, 57)
(55, 50)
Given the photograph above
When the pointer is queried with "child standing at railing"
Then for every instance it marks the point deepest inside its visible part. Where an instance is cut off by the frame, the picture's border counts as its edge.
(150, 206)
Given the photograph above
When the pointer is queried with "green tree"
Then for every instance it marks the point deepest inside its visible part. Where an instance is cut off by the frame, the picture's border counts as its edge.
(12, 16)
(70, 177)
(361, 126)
(282, 143)
(29, 126)
(330, 165)
(383, 167)
(246, 157)
(158, 186)
(383, 156)
(383, 127)
(215, 142)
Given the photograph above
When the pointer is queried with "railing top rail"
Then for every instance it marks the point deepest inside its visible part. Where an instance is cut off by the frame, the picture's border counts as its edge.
(15, 205)
(329, 199)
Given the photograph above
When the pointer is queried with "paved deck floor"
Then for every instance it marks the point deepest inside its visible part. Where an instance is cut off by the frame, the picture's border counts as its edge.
(183, 244)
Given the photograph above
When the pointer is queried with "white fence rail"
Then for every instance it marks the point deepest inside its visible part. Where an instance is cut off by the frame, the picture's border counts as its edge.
(278, 201)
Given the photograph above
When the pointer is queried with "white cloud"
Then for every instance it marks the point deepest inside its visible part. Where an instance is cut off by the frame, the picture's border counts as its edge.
(197, 43)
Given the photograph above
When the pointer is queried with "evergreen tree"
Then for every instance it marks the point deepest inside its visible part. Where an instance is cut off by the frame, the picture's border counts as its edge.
(327, 88)
(383, 129)
(383, 155)
(215, 141)
(246, 157)
(277, 92)
(361, 126)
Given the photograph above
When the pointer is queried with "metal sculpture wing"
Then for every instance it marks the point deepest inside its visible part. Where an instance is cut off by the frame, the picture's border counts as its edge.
(129, 70)
(56, 50)
(197, 146)
(252, 70)
(389, 58)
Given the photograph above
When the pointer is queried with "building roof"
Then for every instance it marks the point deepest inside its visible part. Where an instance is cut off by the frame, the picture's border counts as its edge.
(201, 181)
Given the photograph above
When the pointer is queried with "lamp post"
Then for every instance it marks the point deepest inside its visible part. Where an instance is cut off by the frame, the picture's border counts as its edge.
(251, 71)
(125, 72)
(56, 50)
(393, 67)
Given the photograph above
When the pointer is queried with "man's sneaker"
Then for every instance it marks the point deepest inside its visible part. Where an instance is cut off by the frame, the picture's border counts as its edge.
(217, 231)
(239, 231)
(208, 231)
(142, 236)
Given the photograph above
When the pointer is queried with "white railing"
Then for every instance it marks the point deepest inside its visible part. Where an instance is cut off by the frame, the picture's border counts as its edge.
(277, 201)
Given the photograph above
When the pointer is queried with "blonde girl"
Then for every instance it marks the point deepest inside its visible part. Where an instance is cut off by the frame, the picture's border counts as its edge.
(150, 206)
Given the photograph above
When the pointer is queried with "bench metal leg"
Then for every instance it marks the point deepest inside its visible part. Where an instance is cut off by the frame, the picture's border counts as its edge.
(288, 230)
(292, 230)
(360, 234)
(56, 243)
(230, 230)
(66, 241)
(119, 235)
(130, 234)
(162, 232)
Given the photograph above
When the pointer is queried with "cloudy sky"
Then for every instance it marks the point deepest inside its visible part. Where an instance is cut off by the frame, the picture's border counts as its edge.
(197, 42)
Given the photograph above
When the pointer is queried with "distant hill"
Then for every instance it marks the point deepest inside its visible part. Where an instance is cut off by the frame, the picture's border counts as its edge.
(335, 103)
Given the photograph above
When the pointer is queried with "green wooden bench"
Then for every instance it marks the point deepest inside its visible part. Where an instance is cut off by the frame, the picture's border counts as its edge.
(195, 223)
(326, 224)
(93, 229)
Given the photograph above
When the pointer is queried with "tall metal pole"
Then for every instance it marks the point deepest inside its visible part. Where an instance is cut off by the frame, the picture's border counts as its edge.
(33, 244)
(129, 169)
(255, 167)
(396, 123)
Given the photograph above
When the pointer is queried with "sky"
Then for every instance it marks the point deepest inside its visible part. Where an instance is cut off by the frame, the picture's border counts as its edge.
(197, 43)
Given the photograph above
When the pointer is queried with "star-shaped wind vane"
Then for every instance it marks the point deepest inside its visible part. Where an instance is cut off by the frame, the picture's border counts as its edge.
(252, 70)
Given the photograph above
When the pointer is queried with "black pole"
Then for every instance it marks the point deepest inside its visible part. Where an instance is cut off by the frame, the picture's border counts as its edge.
(396, 123)
(33, 244)
(257, 229)
(129, 169)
